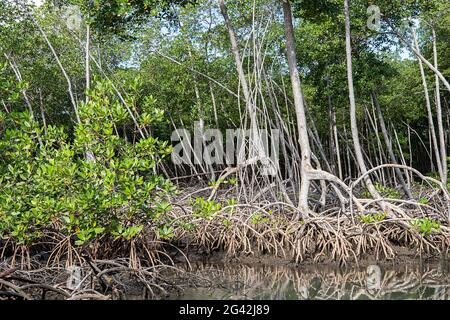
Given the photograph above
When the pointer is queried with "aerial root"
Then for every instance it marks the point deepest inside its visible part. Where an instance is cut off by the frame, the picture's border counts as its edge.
(335, 237)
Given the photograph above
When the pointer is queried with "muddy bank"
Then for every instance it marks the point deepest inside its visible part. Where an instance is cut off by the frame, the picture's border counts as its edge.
(403, 256)
(192, 273)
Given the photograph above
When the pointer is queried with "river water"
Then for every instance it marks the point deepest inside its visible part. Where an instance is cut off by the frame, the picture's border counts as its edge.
(238, 281)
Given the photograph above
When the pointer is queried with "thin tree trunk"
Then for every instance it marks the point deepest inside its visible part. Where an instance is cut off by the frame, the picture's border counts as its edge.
(334, 141)
(63, 70)
(447, 119)
(19, 78)
(410, 153)
(354, 126)
(255, 141)
(4, 106)
(299, 108)
(122, 99)
(87, 59)
(89, 155)
(388, 143)
(425, 61)
(403, 161)
(41, 106)
(439, 115)
(430, 113)
(378, 152)
(348, 151)
(18, 75)
(213, 100)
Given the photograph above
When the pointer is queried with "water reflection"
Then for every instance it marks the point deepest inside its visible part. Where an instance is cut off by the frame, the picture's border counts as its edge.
(227, 281)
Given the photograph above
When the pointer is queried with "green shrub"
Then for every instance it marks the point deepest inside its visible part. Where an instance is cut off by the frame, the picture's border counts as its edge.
(424, 200)
(425, 226)
(54, 186)
(259, 218)
(387, 192)
(373, 217)
(206, 209)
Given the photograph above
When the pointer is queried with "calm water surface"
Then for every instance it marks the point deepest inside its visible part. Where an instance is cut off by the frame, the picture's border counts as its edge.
(230, 281)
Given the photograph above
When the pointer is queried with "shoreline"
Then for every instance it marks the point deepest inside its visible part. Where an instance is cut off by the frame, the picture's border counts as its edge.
(404, 256)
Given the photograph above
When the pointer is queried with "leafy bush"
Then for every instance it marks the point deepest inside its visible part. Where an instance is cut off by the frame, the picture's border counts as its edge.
(387, 192)
(206, 209)
(54, 186)
(384, 191)
(425, 226)
(424, 201)
(373, 217)
(258, 218)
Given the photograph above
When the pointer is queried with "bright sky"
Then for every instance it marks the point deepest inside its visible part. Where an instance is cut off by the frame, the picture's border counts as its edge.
(405, 54)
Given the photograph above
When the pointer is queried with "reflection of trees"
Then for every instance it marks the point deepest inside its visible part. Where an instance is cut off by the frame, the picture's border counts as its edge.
(226, 281)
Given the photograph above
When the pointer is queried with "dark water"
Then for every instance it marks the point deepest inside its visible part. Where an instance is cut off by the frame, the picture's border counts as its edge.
(229, 281)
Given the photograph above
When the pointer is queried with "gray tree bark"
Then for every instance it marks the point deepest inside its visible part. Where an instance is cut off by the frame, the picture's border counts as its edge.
(299, 108)
(430, 113)
(354, 126)
(256, 148)
(443, 146)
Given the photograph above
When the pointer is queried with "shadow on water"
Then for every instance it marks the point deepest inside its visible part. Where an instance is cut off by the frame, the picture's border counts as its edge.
(228, 281)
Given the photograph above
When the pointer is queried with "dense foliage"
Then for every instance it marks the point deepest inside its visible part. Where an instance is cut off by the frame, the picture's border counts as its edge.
(48, 184)
(85, 154)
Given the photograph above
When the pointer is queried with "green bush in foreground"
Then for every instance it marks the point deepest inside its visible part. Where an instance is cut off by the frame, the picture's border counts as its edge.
(54, 186)
(373, 217)
(425, 226)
